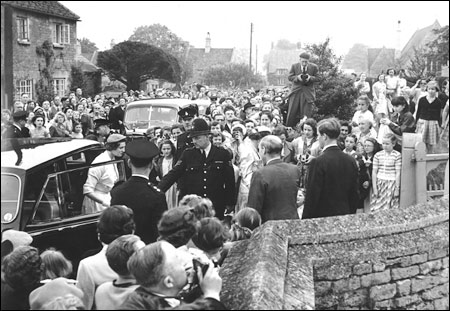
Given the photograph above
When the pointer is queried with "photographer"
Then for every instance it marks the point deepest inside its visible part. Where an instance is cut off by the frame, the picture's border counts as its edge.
(162, 272)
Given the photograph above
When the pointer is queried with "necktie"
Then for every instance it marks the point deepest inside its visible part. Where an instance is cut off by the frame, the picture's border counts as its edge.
(204, 155)
(304, 69)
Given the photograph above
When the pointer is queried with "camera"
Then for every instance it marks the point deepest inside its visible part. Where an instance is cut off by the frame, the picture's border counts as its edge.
(304, 158)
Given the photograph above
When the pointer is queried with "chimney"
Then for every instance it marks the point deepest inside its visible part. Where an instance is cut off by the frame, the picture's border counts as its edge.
(112, 44)
(208, 43)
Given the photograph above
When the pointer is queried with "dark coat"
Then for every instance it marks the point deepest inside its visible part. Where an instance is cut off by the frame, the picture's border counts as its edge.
(147, 203)
(141, 299)
(115, 115)
(14, 132)
(213, 179)
(183, 142)
(332, 187)
(273, 191)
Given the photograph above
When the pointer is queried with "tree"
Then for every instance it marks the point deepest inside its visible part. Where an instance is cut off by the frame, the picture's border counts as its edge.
(438, 48)
(335, 94)
(418, 64)
(87, 46)
(235, 75)
(161, 36)
(134, 62)
(44, 86)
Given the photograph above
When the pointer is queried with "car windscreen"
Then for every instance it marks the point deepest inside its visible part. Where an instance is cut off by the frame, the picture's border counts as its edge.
(11, 185)
(143, 117)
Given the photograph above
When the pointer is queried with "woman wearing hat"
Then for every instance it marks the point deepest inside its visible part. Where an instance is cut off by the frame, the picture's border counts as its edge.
(101, 179)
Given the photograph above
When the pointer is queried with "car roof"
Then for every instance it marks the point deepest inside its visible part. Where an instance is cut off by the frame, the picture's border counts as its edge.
(37, 154)
(171, 102)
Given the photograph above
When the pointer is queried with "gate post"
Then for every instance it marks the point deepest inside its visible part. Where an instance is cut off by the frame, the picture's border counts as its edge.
(408, 176)
(420, 153)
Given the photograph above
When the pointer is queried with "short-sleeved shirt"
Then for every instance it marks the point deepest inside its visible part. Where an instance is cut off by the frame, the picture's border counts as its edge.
(387, 164)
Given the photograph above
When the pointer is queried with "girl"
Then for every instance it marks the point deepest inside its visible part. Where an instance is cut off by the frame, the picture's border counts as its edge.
(58, 128)
(244, 223)
(69, 121)
(392, 84)
(77, 130)
(162, 165)
(39, 131)
(418, 91)
(387, 165)
(363, 112)
(350, 144)
(402, 121)
(362, 85)
(428, 117)
(266, 119)
(371, 147)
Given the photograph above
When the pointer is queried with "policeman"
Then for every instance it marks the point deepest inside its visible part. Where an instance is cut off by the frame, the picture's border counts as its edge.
(186, 114)
(101, 130)
(147, 202)
(206, 169)
(17, 130)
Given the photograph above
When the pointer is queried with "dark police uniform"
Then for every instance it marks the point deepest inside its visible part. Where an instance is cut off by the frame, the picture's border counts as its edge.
(147, 202)
(211, 178)
(16, 131)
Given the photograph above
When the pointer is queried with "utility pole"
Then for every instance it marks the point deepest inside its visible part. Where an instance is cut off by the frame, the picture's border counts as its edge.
(256, 65)
(251, 37)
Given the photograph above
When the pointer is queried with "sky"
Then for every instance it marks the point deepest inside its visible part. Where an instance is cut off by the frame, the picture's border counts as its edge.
(374, 23)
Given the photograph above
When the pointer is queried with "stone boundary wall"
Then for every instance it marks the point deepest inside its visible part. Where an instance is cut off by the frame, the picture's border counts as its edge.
(395, 259)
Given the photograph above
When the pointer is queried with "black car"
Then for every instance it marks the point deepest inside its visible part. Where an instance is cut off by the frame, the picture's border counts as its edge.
(43, 195)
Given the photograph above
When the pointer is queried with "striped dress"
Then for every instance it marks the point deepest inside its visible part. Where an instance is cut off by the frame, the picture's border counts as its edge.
(386, 164)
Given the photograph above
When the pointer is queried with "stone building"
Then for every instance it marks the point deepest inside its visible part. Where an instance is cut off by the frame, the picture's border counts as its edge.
(38, 40)
(279, 64)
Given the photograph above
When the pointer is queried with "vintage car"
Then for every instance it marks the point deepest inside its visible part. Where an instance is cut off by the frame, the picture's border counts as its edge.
(142, 114)
(43, 195)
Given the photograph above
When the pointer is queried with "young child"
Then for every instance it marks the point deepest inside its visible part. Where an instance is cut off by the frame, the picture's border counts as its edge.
(350, 145)
(217, 139)
(363, 113)
(77, 130)
(386, 171)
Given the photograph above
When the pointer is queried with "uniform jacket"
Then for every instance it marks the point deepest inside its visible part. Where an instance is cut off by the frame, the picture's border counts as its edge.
(213, 179)
(183, 142)
(273, 191)
(147, 203)
(332, 187)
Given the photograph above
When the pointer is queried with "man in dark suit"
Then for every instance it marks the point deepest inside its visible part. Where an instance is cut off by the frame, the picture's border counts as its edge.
(116, 116)
(274, 188)
(332, 187)
(206, 169)
(302, 96)
(17, 130)
(147, 202)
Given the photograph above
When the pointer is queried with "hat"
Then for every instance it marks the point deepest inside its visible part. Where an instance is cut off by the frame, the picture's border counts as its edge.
(59, 287)
(239, 126)
(248, 105)
(263, 128)
(141, 149)
(199, 127)
(305, 55)
(100, 122)
(17, 238)
(115, 138)
(37, 108)
(175, 220)
(20, 115)
(190, 111)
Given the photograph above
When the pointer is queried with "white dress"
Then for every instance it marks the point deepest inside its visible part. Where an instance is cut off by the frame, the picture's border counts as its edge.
(171, 194)
(100, 180)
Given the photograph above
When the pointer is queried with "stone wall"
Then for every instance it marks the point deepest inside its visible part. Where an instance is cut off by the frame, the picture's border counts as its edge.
(394, 259)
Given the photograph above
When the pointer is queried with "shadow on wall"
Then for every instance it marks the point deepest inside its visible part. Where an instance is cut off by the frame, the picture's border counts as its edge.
(396, 259)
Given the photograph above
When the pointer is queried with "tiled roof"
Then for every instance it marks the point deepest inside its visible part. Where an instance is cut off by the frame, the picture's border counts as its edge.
(85, 64)
(53, 8)
(282, 59)
(202, 60)
(419, 38)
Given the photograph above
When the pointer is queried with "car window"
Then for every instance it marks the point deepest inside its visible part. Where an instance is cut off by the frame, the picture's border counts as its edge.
(61, 196)
(11, 185)
(144, 116)
(163, 114)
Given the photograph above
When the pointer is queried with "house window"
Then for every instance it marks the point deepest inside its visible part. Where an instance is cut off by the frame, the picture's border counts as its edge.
(22, 29)
(59, 87)
(61, 33)
(280, 81)
(24, 86)
(281, 71)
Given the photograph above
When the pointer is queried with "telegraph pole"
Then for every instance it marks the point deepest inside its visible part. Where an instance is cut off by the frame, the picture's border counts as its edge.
(251, 37)
(256, 65)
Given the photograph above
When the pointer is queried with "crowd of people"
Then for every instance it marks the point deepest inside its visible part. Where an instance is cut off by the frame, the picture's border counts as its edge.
(196, 187)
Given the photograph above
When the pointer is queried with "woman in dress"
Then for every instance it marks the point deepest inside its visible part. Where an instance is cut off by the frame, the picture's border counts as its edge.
(161, 166)
(58, 127)
(379, 91)
(306, 147)
(101, 179)
(39, 131)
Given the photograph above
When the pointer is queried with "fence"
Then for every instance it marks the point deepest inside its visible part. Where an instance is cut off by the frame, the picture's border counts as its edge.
(424, 175)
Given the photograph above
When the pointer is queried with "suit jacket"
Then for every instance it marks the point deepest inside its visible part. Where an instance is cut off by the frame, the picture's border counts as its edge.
(288, 153)
(147, 203)
(115, 115)
(213, 179)
(332, 187)
(299, 85)
(273, 191)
